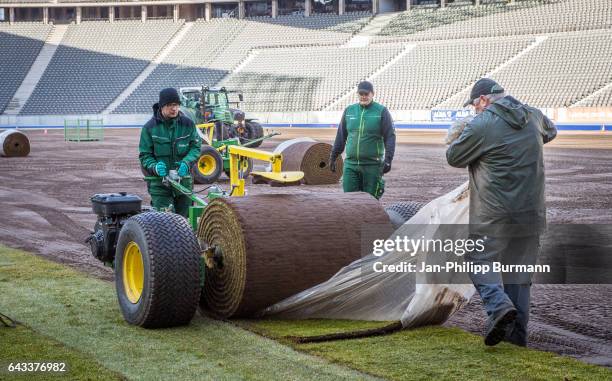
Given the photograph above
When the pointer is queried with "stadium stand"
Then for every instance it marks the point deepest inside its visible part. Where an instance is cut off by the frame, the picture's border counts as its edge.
(213, 49)
(285, 31)
(499, 19)
(91, 67)
(562, 70)
(548, 53)
(25, 1)
(346, 23)
(435, 71)
(601, 99)
(23, 41)
(188, 64)
(97, 1)
(302, 79)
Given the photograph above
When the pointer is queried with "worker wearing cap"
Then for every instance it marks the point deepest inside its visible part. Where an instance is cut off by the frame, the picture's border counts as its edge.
(366, 130)
(169, 141)
(503, 149)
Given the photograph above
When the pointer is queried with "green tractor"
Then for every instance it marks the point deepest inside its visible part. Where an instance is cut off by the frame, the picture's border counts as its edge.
(206, 105)
(219, 125)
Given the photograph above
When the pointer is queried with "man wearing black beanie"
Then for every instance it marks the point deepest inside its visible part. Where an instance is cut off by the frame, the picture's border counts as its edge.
(169, 141)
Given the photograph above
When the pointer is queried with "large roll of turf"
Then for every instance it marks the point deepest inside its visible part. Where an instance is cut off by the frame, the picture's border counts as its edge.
(274, 246)
(312, 158)
(14, 143)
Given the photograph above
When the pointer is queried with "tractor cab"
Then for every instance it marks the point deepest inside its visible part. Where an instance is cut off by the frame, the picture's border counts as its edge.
(216, 107)
(219, 104)
(190, 94)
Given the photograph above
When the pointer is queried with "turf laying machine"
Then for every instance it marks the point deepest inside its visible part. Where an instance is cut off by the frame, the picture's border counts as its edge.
(235, 254)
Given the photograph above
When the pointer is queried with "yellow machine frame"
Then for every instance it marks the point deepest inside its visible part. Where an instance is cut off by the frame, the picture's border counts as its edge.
(238, 153)
(209, 128)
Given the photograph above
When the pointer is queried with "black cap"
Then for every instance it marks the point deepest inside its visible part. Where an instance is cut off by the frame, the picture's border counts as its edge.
(168, 95)
(484, 86)
(365, 86)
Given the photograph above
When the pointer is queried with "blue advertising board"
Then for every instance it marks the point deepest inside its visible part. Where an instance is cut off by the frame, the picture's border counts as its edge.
(449, 115)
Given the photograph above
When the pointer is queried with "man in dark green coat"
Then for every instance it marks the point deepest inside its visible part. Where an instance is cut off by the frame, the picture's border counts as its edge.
(169, 141)
(503, 149)
(366, 129)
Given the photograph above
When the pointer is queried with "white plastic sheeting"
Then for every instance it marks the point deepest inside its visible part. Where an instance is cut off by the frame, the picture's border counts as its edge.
(359, 292)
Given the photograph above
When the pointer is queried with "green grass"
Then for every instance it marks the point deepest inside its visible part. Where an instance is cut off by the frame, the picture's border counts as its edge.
(29, 346)
(285, 329)
(451, 354)
(82, 314)
(431, 353)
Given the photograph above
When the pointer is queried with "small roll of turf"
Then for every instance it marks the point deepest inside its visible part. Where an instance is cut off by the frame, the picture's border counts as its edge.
(384, 330)
(312, 158)
(14, 143)
(274, 246)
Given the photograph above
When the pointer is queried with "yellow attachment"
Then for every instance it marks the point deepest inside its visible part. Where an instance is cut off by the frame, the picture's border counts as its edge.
(207, 165)
(281, 177)
(209, 128)
(133, 272)
(256, 154)
(237, 153)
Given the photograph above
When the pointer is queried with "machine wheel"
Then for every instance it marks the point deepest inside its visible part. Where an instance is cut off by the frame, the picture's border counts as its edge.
(247, 168)
(402, 211)
(255, 132)
(208, 167)
(157, 270)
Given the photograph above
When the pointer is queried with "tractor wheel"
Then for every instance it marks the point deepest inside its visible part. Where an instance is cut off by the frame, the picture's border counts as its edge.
(255, 132)
(246, 169)
(157, 270)
(402, 211)
(208, 167)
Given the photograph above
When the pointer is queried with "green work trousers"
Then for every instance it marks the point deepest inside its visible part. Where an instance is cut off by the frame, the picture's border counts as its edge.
(163, 197)
(363, 178)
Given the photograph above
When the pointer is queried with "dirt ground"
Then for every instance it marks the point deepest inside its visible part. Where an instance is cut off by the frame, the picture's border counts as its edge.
(45, 208)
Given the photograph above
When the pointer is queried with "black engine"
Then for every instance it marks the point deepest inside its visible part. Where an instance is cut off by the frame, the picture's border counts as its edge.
(112, 210)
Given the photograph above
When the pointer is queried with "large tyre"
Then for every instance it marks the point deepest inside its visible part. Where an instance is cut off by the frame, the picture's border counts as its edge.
(208, 167)
(157, 270)
(246, 169)
(402, 211)
(255, 132)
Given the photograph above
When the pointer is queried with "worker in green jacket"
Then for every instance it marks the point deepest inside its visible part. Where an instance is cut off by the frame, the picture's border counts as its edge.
(503, 149)
(366, 129)
(169, 141)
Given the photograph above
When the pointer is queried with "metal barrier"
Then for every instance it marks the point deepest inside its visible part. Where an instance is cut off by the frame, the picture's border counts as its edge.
(83, 130)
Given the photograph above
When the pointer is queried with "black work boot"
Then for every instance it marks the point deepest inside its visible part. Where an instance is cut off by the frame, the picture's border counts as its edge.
(497, 327)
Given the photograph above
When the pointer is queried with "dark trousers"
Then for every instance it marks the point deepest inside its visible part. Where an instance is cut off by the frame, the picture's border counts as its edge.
(164, 198)
(499, 291)
(363, 178)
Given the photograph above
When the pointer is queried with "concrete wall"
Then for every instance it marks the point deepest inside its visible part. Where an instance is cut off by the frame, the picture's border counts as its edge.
(578, 116)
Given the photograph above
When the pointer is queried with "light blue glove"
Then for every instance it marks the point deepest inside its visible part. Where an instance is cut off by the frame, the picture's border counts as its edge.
(160, 169)
(183, 169)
